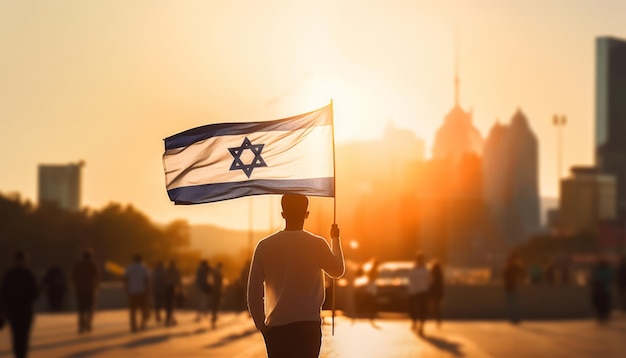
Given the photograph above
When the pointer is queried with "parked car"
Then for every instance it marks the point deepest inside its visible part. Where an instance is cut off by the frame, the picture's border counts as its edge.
(392, 285)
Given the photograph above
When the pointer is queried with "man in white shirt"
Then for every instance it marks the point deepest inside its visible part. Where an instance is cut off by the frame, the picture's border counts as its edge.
(419, 283)
(286, 283)
(137, 284)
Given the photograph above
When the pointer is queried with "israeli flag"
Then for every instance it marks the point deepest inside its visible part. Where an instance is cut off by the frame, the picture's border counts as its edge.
(231, 160)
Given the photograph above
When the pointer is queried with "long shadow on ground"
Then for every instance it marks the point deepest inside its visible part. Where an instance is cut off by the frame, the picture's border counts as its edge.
(454, 348)
(233, 337)
(139, 342)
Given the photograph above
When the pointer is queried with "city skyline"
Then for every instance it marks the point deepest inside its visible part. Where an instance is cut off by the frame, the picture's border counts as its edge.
(107, 86)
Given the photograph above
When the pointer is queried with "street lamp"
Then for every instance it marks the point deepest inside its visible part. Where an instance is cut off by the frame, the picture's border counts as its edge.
(559, 122)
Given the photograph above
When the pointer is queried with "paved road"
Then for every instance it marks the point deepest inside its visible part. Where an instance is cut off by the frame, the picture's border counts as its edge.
(55, 336)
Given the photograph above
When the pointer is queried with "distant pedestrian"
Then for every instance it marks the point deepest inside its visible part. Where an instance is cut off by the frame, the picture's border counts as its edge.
(137, 287)
(535, 274)
(158, 289)
(18, 292)
(601, 281)
(564, 270)
(419, 284)
(436, 290)
(371, 291)
(350, 303)
(86, 281)
(242, 284)
(55, 286)
(203, 289)
(549, 272)
(621, 281)
(359, 282)
(513, 279)
(217, 279)
(286, 284)
(173, 292)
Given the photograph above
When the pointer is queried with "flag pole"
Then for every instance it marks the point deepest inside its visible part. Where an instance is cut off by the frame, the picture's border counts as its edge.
(332, 117)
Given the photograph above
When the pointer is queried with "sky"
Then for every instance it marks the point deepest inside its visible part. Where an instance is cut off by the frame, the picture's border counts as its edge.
(105, 81)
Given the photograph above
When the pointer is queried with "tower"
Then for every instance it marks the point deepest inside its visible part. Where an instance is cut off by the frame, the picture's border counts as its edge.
(611, 113)
(457, 136)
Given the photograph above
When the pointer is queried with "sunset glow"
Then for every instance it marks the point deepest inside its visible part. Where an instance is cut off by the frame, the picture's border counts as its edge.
(108, 85)
(331, 178)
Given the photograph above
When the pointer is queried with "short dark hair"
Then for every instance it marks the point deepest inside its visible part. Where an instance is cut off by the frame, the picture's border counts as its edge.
(294, 203)
(88, 253)
(19, 256)
(137, 258)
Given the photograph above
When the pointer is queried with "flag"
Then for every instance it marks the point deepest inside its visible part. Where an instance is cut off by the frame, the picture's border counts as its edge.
(231, 160)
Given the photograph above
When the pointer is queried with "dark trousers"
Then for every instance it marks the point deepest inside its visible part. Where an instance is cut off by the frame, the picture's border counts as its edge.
(512, 306)
(298, 339)
(55, 299)
(85, 303)
(138, 302)
(159, 303)
(622, 297)
(20, 323)
(602, 303)
(170, 296)
(418, 306)
(216, 299)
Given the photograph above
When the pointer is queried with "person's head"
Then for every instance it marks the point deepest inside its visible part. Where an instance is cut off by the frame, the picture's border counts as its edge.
(419, 259)
(19, 257)
(137, 258)
(295, 207)
(435, 265)
(87, 254)
(204, 263)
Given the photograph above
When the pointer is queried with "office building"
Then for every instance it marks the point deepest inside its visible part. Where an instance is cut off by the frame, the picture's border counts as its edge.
(60, 185)
(511, 179)
(587, 199)
(611, 113)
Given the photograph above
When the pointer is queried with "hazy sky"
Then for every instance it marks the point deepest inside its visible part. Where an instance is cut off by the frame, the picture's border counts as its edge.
(105, 81)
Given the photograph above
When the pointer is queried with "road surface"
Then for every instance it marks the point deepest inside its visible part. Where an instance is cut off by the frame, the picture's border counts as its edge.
(54, 335)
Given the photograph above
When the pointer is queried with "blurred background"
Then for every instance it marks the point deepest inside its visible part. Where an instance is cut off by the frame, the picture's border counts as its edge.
(465, 130)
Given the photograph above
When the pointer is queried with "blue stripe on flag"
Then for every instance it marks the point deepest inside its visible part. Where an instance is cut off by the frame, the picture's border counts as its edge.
(209, 193)
(191, 136)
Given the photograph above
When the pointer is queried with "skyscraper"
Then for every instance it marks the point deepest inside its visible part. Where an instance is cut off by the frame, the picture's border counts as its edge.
(60, 185)
(511, 179)
(458, 234)
(457, 136)
(611, 113)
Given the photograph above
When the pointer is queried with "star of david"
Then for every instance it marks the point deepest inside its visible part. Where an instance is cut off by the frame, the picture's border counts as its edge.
(257, 162)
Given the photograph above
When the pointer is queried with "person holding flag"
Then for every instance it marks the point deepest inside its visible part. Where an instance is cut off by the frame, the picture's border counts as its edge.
(293, 157)
(286, 283)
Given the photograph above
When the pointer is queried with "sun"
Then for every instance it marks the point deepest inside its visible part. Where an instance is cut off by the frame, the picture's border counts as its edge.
(363, 103)
(322, 88)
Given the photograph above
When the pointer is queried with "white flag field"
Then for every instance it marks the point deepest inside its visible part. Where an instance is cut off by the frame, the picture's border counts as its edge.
(230, 160)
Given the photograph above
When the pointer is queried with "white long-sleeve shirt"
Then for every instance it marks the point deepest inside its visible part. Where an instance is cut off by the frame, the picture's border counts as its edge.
(419, 280)
(286, 282)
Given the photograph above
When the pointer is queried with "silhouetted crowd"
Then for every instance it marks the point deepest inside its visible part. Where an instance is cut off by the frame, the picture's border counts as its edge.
(159, 291)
